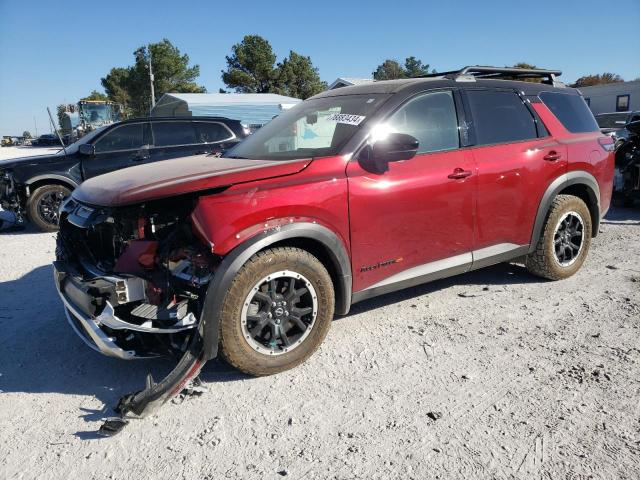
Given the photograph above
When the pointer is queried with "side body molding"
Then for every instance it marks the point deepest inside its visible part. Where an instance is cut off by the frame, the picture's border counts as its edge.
(576, 177)
(234, 260)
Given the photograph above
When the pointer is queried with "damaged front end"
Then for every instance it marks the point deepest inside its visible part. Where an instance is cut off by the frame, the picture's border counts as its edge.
(12, 197)
(133, 281)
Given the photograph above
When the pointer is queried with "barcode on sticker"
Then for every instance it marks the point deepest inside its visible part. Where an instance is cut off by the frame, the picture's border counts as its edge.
(346, 118)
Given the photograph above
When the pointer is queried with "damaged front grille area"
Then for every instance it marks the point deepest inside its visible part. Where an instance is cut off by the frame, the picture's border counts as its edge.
(137, 273)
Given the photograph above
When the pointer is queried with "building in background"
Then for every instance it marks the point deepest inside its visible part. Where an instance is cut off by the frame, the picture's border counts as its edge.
(252, 109)
(348, 81)
(613, 97)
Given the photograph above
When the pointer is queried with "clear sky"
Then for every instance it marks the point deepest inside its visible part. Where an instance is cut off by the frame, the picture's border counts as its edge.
(55, 52)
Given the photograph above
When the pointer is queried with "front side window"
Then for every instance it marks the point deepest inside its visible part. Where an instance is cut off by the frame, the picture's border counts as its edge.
(125, 137)
(571, 110)
(500, 117)
(212, 132)
(167, 134)
(318, 127)
(430, 118)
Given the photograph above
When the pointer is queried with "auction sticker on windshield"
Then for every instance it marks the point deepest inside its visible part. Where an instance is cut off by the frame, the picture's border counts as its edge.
(346, 118)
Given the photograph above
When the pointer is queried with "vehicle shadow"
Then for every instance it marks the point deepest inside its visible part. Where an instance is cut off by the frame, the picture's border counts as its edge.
(619, 215)
(501, 274)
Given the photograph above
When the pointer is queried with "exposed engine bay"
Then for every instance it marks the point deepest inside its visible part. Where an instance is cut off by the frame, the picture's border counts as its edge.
(133, 281)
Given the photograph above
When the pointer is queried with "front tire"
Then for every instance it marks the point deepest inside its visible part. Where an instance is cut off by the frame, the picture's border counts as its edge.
(277, 311)
(44, 204)
(565, 240)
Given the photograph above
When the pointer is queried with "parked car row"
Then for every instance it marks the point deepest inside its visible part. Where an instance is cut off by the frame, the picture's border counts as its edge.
(34, 187)
(350, 194)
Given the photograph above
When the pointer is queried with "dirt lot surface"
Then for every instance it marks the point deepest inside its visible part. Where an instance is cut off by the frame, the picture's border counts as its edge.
(492, 374)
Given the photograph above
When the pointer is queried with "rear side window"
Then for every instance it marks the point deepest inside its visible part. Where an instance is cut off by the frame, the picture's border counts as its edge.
(572, 111)
(212, 132)
(500, 117)
(430, 118)
(167, 134)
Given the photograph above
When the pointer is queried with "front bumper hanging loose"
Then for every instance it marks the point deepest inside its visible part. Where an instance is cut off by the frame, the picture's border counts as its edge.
(78, 305)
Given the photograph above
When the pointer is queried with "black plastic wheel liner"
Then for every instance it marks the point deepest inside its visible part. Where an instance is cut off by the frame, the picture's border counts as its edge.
(142, 403)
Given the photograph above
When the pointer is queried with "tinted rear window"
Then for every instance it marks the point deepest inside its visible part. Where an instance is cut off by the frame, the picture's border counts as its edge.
(572, 111)
(500, 117)
(212, 132)
(167, 134)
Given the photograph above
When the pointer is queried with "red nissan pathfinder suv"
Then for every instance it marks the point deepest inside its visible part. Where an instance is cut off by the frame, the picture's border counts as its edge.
(353, 193)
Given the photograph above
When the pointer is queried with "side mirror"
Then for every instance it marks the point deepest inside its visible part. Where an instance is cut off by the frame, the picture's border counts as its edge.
(395, 147)
(87, 149)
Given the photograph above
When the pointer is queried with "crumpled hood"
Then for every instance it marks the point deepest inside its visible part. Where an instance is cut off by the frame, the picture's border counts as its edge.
(178, 176)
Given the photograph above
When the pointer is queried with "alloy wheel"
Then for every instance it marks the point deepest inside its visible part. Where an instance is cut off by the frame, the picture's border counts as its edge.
(49, 205)
(568, 238)
(279, 313)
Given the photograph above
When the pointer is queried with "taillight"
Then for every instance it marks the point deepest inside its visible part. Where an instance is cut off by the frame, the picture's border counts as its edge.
(607, 143)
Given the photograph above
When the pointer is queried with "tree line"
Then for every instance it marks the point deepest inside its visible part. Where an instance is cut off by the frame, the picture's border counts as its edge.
(251, 67)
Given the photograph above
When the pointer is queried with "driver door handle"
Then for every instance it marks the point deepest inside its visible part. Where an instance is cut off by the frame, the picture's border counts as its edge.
(460, 173)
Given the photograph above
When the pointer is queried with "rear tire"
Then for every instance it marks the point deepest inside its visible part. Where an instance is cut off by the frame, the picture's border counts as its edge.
(44, 204)
(565, 240)
(262, 294)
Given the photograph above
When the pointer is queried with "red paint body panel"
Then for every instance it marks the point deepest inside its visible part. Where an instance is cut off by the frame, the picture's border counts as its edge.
(319, 193)
(584, 153)
(511, 181)
(413, 211)
(190, 174)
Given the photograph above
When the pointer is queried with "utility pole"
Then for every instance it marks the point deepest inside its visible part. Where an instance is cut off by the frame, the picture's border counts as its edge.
(35, 124)
(153, 95)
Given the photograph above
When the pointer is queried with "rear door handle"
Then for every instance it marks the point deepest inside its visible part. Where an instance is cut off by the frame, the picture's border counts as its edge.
(552, 156)
(459, 173)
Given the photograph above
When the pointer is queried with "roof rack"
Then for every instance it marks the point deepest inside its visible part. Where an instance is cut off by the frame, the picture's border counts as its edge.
(470, 73)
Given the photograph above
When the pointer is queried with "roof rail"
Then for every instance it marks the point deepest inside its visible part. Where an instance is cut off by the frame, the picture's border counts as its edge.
(470, 73)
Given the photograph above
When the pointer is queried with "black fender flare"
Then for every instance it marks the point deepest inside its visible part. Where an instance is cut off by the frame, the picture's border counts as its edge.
(234, 260)
(576, 177)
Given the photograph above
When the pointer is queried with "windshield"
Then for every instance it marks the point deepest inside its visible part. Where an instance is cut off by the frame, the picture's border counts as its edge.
(612, 120)
(96, 113)
(313, 128)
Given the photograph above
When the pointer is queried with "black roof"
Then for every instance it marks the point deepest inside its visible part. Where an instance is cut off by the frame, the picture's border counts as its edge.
(395, 86)
(182, 119)
(467, 77)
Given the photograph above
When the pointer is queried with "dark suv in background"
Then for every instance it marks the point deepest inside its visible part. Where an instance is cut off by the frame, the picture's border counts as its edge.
(36, 185)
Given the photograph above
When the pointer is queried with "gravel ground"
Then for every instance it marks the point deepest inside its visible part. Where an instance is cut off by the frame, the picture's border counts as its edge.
(493, 374)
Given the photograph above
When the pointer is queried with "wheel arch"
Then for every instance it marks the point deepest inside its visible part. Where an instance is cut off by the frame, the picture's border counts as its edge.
(42, 180)
(315, 238)
(577, 183)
